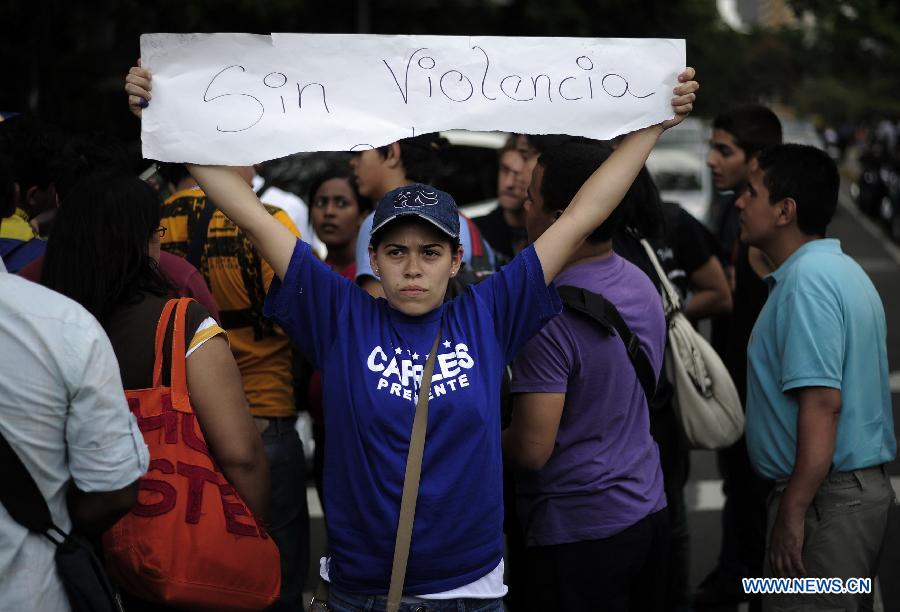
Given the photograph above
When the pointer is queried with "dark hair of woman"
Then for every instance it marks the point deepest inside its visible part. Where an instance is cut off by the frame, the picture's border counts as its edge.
(421, 156)
(335, 171)
(643, 207)
(98, 251)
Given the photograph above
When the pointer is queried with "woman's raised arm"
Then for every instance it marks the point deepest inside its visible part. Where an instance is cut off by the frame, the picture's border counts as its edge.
(226, 189)
(606, 187)
(233, 196)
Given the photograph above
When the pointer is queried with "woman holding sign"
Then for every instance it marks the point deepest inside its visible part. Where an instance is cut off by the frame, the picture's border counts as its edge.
(373, 354)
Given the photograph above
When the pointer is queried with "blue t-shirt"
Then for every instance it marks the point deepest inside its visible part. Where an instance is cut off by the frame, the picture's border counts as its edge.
(364, 265)
(371, 358)
(822, 326)
(604, 474)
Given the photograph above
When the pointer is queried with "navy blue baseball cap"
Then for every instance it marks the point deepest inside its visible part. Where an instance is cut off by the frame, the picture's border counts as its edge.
(423, 201)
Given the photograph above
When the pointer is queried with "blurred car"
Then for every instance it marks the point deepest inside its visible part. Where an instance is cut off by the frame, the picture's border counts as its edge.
(682, 176)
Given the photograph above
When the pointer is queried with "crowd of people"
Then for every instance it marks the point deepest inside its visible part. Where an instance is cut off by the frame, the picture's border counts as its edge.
(550, 478)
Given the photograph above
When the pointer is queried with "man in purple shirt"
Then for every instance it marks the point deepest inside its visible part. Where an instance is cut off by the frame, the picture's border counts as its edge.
(590, 493)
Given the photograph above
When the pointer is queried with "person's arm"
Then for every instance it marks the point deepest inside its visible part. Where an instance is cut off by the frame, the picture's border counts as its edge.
(105, 450)
(711, 293)
(606, 187)
(530, 438)
(94, 513)
(817, 419)
(233, 196)
(227, 190)
(217, 395)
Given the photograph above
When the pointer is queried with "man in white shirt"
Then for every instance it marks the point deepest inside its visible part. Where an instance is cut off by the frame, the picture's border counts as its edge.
(63, 411)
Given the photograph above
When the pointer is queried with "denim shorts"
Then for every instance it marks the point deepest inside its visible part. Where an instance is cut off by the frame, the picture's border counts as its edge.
(339, 601)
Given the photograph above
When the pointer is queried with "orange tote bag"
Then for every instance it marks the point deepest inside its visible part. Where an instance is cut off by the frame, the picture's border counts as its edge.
(190, 541)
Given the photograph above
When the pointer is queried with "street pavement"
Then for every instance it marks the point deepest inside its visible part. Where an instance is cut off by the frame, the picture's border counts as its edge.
(861, 239)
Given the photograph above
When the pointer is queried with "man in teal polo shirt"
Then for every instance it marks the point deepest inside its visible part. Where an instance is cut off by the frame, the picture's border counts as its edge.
(819, 417)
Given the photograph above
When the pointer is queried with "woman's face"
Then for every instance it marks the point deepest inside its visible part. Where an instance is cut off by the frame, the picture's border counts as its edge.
(414, 262)
(335, 213)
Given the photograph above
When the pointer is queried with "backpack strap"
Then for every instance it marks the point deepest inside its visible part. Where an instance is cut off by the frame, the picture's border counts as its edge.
(161, 327)
(198, 236)
(20, 494)
(604, 312)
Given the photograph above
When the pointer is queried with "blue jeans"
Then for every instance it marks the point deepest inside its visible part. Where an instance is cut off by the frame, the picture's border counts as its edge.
(288, 513)
(339, 601)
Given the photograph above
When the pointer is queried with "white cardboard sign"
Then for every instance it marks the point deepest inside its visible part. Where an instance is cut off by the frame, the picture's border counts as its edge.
(238, 99)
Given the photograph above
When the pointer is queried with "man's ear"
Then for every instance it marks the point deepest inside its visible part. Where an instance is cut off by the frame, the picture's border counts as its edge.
(39, 200)
(787, 212)
(30, 200)
(393, 158)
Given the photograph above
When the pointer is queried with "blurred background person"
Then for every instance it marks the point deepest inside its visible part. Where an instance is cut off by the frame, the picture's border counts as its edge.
(33, 150)
(739, 135)
(504, 226)
(338, 210)
(85, 155)
(686, 252)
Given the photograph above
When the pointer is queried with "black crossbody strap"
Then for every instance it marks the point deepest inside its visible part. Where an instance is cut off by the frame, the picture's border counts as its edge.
(601, 310)
(19, 493)
(198, 236)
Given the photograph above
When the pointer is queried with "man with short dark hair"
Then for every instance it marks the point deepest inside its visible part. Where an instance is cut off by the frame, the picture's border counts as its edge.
(738, 136)
(819, 415)
(64, 414)
(590, 495)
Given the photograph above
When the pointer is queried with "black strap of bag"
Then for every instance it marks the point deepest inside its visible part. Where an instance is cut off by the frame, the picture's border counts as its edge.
(198, 236)
(601, 310)
(81, 572)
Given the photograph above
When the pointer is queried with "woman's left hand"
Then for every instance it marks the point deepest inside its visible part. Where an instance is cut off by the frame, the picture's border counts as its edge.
(683, 102)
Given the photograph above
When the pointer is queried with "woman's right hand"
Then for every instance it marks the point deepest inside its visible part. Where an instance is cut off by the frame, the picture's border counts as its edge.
(137, 85)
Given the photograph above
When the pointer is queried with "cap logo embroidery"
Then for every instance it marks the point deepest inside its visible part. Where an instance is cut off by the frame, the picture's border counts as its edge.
(414, 198)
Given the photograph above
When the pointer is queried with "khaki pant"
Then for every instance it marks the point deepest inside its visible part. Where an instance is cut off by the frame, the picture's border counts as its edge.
(843, 538)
